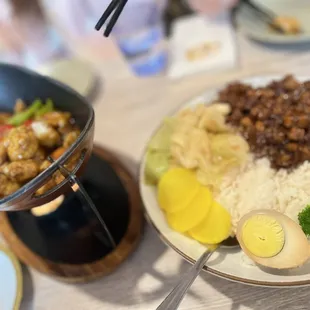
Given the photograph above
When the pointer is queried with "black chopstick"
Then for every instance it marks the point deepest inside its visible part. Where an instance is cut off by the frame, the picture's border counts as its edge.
(114, 18)
(115, 5)
(112, 6)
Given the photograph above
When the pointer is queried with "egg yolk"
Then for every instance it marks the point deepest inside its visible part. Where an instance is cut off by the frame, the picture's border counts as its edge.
(263, 236)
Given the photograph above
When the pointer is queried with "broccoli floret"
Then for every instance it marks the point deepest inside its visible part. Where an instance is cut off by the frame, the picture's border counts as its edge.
(304, 220)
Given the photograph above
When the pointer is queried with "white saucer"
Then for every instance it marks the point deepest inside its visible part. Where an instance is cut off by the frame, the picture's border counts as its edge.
(258, 30)
(11, 284)
(75, 73)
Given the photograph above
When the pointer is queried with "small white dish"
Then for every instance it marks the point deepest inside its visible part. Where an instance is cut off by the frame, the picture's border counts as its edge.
(75, 73)
(258, 30)
(231, 264)
(210, 45)
(11, 284)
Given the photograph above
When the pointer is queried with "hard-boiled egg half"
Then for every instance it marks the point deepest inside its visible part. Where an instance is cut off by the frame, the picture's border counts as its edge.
(272, 239)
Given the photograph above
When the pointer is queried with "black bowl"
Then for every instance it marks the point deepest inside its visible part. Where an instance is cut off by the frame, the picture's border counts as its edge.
(16, 82)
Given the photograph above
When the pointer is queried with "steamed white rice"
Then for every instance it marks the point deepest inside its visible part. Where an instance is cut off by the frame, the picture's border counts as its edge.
(258, 186)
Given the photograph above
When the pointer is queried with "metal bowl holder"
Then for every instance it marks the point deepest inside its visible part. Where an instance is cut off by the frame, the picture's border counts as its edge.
(105, 236)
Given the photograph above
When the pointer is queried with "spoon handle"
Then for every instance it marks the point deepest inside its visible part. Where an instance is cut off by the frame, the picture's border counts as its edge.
(173, 300)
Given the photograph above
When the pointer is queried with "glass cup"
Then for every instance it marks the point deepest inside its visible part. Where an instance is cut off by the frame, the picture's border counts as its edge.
(140, 35)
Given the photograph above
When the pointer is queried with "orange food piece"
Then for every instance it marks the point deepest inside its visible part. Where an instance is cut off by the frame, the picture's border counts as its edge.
(58, 152)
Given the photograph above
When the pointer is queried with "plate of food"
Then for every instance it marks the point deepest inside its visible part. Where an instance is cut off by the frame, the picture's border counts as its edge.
(234, 164)
(292, 18)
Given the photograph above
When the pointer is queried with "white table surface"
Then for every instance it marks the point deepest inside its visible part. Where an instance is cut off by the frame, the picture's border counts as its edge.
(127, 110)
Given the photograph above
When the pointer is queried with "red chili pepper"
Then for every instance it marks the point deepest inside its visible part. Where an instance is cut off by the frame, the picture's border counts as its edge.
(28, 122)
(4, 129)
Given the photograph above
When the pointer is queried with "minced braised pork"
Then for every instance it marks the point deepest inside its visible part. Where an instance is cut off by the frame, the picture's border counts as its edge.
(275, 120)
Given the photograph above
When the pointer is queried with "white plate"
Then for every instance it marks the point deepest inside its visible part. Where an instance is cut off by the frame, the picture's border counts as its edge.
(10, 281)
(258, 30)
(231, 264)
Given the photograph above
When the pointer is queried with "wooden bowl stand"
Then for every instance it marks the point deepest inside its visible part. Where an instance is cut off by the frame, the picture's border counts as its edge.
(76, 273)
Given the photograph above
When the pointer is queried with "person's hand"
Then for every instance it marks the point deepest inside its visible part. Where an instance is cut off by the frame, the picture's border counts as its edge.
(211, 7)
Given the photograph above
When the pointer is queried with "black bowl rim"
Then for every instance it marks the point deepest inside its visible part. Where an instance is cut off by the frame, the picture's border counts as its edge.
(60, 161)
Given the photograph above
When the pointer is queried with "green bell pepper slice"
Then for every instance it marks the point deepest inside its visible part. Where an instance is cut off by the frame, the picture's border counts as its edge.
(20, 118)
(48, 107)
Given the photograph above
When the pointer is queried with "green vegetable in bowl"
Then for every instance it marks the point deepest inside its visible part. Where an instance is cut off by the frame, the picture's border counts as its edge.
(36, 109)
(157, 163)
(158, 153)
(304, 220)
(20, 118)
(48, 107)
(161, 140)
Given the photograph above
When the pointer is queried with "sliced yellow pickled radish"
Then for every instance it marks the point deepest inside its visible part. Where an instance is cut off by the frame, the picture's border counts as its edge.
(176, 189)
(193, 214)
(215, 227)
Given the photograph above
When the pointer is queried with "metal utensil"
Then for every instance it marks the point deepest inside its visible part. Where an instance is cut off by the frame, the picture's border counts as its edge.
(173, 300)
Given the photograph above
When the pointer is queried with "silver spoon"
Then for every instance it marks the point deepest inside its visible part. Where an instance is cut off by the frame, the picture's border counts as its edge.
(173, 300)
